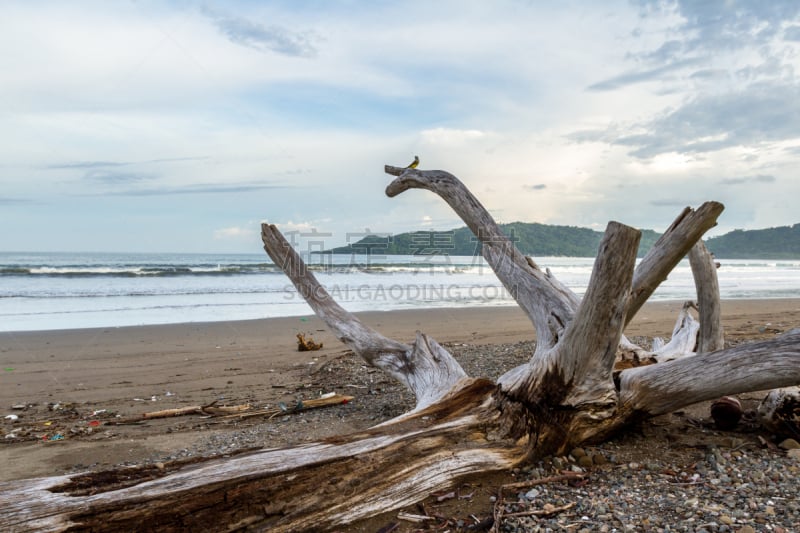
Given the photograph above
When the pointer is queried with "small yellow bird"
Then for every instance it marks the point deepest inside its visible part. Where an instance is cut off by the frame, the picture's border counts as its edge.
(414, 163)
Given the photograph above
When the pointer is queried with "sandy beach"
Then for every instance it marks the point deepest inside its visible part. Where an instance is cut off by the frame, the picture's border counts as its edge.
(63, 377)
(68, 389)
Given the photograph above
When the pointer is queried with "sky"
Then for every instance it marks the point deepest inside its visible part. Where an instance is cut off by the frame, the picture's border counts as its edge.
(181, 126)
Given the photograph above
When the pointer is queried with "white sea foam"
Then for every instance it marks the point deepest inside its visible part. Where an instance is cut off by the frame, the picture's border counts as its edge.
(58, 291)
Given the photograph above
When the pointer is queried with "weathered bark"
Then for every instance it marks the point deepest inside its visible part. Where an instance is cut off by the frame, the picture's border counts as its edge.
(576, 373)
(779, 412)
(308, 488)
(683, 341)
(426, 368)
(658, 389)
(704, 270)
(548, 304)
(564, 396)
(668, 250)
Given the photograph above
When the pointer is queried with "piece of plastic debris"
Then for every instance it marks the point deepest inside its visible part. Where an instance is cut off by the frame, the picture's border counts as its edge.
(95, 413)
(153, 399)
(57, 436)
(12, 417)
(19, 406)
(48, 423)
(94, 423)
(138, 399)
(8, 369)
(169, 393)
(327, 395)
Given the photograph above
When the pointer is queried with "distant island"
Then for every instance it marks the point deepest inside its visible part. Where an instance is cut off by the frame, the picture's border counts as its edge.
(571, 241)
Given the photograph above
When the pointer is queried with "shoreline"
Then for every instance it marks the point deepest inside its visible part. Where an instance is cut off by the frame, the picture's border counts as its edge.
(737, 302)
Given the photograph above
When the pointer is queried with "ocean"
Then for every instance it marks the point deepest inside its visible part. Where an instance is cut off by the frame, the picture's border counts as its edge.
(45, 291)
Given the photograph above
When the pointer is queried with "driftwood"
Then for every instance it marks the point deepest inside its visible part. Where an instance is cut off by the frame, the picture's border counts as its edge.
(565, 395)
(307, 345)
(243, 411)
(208, 410)
(326, 400)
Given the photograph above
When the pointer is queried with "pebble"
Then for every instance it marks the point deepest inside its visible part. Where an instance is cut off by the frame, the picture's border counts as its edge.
(718, 490)
(532, 494)
(577, 453)
(789, 444)
(599, 459)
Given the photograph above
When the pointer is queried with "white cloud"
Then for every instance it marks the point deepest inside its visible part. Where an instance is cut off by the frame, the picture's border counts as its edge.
(450, 137)
(235, 233)
(286, 111)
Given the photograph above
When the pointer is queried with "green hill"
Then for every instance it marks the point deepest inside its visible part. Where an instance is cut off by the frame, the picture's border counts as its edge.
(771, 243)
(570, 241)
(531, 238)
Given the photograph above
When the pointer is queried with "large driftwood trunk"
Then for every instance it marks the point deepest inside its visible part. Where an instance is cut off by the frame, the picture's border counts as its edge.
(565, 395)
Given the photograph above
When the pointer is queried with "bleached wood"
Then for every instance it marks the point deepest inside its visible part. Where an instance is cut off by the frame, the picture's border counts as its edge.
(711, 336)
(584, 356)
(310, 487)
(665, 387)
(426, 368)
(590, 343)
(668, 250)
(549, 305)
(683, 342)
(779, 412)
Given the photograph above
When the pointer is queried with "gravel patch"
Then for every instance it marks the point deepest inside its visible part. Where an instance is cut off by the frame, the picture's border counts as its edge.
(709, 489)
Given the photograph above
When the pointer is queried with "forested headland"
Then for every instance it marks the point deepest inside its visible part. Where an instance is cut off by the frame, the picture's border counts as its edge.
(572, 241)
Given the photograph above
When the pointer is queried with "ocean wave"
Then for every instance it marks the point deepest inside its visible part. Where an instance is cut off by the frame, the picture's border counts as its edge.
(136, 271)
(155, 271)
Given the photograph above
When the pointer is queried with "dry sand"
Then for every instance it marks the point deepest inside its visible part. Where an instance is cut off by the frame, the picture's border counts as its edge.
(131, 370)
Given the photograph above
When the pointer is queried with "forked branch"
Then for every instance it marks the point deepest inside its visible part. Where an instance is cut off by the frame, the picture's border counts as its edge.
(426, 368)
(576, 373)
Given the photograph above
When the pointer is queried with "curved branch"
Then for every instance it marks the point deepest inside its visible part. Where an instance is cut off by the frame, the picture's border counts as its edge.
(665, 387)
(668, 250)
(427, 369)
(549, 305)
(704, 271)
